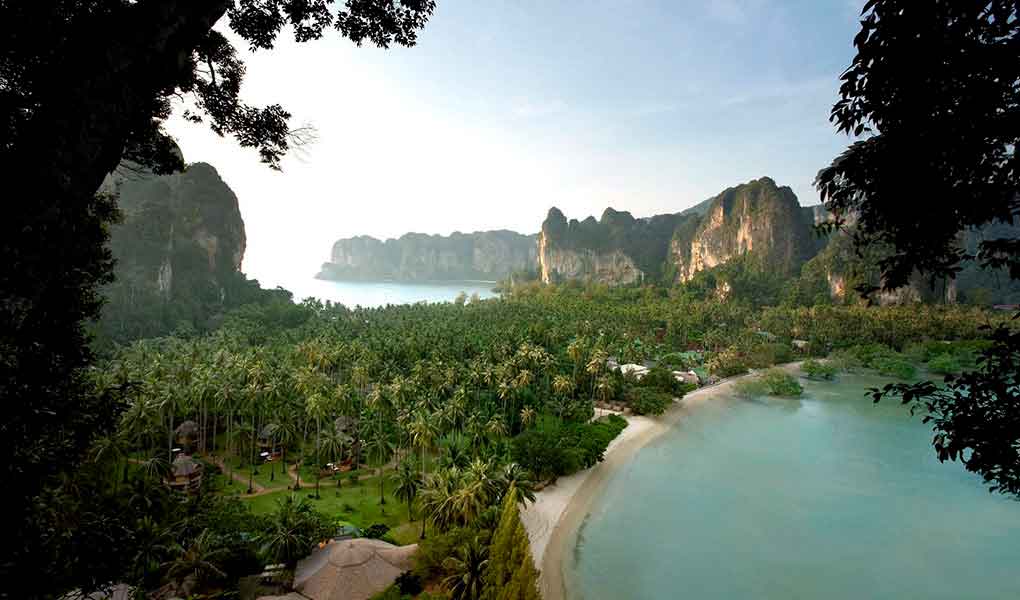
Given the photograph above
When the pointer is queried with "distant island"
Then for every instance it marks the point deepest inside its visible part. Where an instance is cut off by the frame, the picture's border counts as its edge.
(483, 255)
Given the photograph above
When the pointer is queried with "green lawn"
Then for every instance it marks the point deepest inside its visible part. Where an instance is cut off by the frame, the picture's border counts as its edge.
(357, 505)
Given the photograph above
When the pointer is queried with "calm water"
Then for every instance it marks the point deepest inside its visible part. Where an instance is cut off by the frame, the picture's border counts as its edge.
(827, 497)
(371, 294)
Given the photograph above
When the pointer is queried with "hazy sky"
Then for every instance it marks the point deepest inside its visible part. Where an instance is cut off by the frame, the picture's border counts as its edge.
(508, 107)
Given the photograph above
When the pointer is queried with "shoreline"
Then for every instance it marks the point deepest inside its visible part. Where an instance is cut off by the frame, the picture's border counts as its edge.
(553, 520)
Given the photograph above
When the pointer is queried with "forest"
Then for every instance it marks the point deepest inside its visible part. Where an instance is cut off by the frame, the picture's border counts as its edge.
(418, 422)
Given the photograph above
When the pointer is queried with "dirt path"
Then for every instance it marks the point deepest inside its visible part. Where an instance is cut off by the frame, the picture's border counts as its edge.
(259, 489)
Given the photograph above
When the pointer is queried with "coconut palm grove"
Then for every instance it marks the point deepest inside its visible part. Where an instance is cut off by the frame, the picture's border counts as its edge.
(627, 403)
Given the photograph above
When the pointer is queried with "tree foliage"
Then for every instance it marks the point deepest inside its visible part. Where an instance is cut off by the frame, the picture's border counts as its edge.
(83, 86)
(511, 571)
(933, 91)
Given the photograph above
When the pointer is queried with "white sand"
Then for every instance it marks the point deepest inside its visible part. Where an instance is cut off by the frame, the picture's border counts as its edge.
(559, 509)
(541, 517)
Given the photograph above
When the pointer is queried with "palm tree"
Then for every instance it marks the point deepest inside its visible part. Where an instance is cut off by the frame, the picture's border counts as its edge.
(379, 446)
(316, 408)
(437, 498)
(527, 416)
(466, 570)
(112, 447)
(407, 483)
(196, 563)
(516, 481)
(152, 543)
(286, 434)
(288, 537)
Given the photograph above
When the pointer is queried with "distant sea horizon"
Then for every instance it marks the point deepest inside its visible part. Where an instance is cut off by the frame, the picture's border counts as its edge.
(373, 294)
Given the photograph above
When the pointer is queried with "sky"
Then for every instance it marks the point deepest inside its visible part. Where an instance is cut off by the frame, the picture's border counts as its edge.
(508, 107)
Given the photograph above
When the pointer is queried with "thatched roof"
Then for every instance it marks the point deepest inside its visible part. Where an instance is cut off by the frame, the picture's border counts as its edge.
(352, 569)
(187, 429)
(185, 465)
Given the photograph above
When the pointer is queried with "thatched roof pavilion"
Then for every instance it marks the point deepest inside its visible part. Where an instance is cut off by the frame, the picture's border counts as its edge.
(352, 569)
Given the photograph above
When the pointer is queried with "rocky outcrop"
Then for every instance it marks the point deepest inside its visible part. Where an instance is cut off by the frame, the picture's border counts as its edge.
(487, 255)
(756, 218)
(617, 249)
(177, 230)
(178, 251)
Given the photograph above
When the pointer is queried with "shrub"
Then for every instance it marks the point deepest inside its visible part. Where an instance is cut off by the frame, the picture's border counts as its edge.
(945, 364)
(428, 560)
(768, 354)
(750, 387)
(815, 369)
(774, 382)
(781, 383)
(681, 360)
(844, 361)
(409, 583)
(553, 448)
(391, 593)
(894, 366)
(648, 401)
(375, 531)
(727, 364)
(660, 379)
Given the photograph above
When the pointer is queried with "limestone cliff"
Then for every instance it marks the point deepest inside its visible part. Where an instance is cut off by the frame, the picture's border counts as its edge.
(758, 219)
(487, 255)
(617, 249)
(178, 252)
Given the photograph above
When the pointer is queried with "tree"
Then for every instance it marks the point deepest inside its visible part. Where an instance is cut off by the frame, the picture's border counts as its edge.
(466, 571)
(407, 485)
(933, 89)
(83, 86)
(511, 574)
(196, 563)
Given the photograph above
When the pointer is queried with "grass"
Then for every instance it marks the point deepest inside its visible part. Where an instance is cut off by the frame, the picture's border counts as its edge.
(357, 505)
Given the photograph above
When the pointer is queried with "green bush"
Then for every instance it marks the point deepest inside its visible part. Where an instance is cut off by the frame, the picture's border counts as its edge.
(681, 360)
(750, 387)
(765, 355)
(815, 369)
(845, 361)
(390, 593)
(648, 401)
(661, 379)
(375, 531)
(781, 383)
(553, 448)
(428, 560)
(727, 364)
(774, 382)
(894, 366)
(945, 364)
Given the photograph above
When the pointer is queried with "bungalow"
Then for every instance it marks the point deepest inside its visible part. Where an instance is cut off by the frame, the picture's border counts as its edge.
(185, 474)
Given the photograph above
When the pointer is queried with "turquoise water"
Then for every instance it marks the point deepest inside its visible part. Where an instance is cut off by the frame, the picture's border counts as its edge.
(381, 293)
(827, 497)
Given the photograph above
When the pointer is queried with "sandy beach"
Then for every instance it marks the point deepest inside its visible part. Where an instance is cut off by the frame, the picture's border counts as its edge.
(553, 519)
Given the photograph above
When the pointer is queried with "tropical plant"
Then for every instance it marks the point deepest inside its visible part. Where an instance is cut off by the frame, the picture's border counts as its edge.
(466, 571)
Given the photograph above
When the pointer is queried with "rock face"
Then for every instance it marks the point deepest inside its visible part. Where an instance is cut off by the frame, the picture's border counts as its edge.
(487, 255)
(178, 252)
(617, 249)
(180, 229)
(756, 218)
